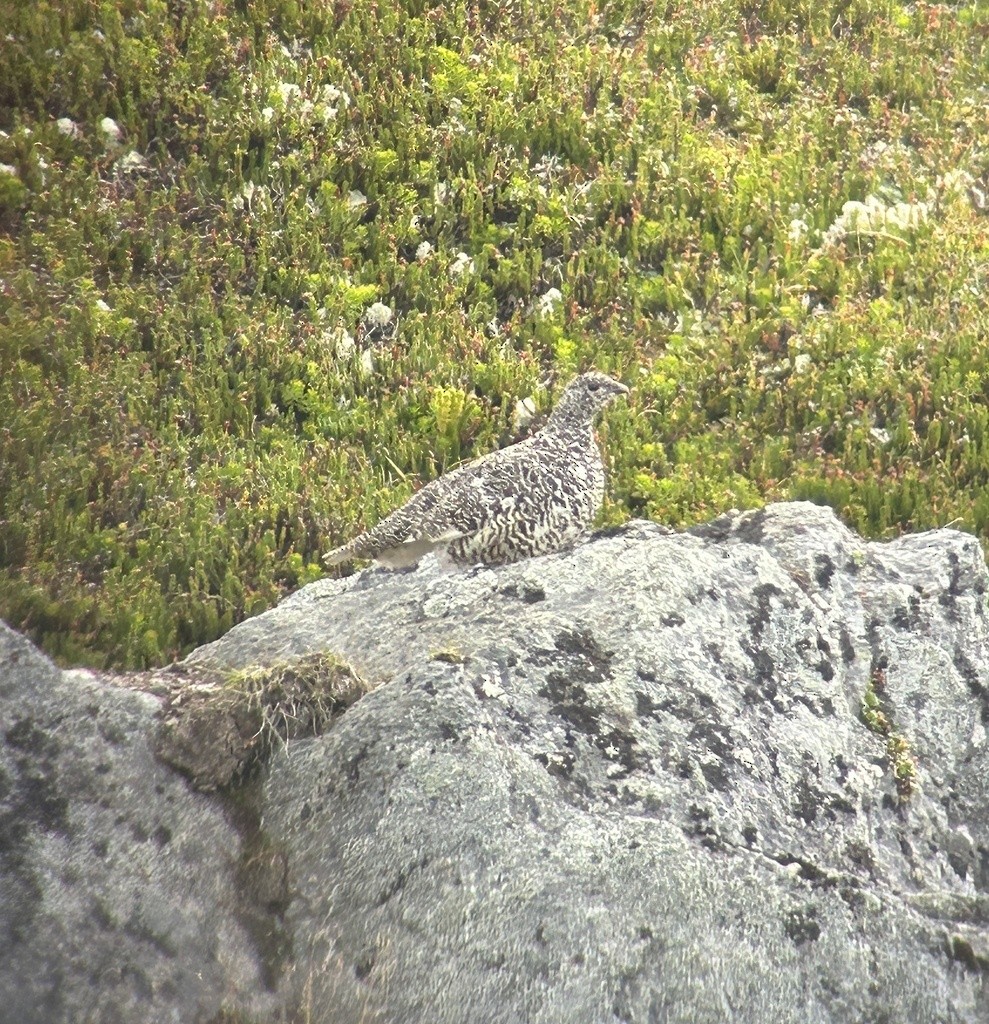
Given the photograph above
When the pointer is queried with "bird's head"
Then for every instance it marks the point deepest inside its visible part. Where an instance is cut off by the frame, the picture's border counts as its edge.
(584, 397)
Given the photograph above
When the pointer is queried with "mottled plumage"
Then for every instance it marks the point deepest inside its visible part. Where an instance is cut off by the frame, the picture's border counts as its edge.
(532, 498)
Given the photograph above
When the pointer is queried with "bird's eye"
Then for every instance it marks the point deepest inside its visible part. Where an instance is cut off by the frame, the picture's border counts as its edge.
(593, 385)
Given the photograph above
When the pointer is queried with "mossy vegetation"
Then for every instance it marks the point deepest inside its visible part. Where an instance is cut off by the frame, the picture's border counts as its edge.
(265, 268)
(219, 730)
(876, 716)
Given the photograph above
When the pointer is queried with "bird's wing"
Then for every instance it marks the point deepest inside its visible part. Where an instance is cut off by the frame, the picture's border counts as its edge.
(453, 506)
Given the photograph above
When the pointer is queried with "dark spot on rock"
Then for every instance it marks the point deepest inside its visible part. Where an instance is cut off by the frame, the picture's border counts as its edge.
(902, 619)
(760, 617)
(718, 530)
(559, 764)
(861, 854)
(703, 828)
(647, 675)
(801, 926)
(43, 802)
(448, 732)
(101, 848)
(825, 570)
(113, 732)
(306, 813)
(581, 643)
(645, 706)
(959, 865)
(847, 648)
(400, 880)
(529, 593)
(716, 774)
(25, 735)
(960, 950)
(820, 707)
(162, 835)
(808, 871)
(364, 966)
(975, 684)
(714, 736)
(102, 916)
(622, 750)
(806, 801)
(750, 834)
(354, 765)
(752, 528)
(672, 619)
(713, 651)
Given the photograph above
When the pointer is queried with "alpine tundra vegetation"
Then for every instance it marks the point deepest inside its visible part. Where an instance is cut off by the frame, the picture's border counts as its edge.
(266, 269)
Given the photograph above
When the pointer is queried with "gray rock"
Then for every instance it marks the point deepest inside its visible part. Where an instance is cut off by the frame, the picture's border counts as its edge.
(120, 895)
(630, 783)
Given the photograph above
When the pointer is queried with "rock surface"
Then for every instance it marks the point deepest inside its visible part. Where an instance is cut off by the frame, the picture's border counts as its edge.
(120, 895)
(630, 783)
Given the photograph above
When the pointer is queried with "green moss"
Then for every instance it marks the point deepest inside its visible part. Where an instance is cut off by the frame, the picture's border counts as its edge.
(878, 719)
(184, 427)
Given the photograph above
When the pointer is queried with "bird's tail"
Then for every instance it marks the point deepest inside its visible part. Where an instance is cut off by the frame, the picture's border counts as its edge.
(347, 552)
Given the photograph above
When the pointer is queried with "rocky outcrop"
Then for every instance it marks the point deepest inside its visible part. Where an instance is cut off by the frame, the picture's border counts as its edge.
(737, 774)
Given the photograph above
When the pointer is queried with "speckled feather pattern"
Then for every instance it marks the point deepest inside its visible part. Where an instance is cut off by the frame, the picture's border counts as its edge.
(532, 498)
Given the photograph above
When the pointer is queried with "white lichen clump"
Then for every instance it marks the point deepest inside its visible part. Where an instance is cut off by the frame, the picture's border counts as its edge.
(548, 303)
(378, 314)
(873, 217)
(461, 265)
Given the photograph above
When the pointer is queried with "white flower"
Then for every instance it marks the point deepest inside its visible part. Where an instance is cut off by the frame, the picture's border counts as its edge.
(9, 169)
(525, 411)
(331, 94)
(548, 302)
(880, 435)
(423, 251)
(798, 231)
(906, 216)
(378, 314)
(341, 339)
(102, 306)
(958, 181)
(132, 161)
(288, 91)
(462, 264)
(873, 216)
(267, 113)
(493, 327)
(68, 127)
(367, 361)
(356, 199)
(801, 362)
(455, 105)
(867, 216)
(548, 168)
(111, 131)
(441, 192)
